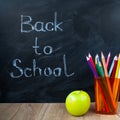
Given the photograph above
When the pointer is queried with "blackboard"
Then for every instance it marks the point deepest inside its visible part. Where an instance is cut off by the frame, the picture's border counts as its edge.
(43, 45)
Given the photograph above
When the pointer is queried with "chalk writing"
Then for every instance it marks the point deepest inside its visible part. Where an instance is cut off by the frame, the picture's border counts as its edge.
(47, 71)
(34, 70)
(47, 50)
(39, 26)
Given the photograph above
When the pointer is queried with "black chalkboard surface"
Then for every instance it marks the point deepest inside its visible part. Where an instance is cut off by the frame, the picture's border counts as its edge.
(43, 45)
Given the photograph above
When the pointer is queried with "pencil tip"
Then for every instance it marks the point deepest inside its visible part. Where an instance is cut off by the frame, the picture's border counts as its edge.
(97, 55)
(119, 56)
(89, 54)
(109, 54)
(101, 54)
(115, 58)
(87, 58)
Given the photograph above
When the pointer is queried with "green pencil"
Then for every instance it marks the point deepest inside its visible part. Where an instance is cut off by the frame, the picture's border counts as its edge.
(101, 69)
(99, 66)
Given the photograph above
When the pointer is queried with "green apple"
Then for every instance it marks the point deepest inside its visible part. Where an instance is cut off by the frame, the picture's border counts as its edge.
(78, 102)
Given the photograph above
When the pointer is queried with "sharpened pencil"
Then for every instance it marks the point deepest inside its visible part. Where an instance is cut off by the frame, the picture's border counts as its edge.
(112, 65)
(108, 60)
(104, 65)
(91, 61)
(108, 89)
(91, 67)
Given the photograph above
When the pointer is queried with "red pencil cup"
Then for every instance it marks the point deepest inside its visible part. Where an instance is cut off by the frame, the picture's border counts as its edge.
(106, 95)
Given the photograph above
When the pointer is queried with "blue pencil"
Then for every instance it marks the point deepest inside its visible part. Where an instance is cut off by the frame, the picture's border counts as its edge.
(112, 65)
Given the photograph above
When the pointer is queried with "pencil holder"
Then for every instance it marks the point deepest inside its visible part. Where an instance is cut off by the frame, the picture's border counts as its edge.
(106, 95)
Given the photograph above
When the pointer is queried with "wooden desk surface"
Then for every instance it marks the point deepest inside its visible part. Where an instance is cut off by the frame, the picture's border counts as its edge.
(47, 111)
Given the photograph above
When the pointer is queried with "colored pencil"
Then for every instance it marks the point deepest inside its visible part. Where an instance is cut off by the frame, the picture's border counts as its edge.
(118, 66)
(112, 80)
(116, 80)
(106, 85)
(112, 65)
(108, 60)
(92, 62)
(99, 66)
(114, 68)
(104, 65)
(100, 91)
(91, 67)
(109, 93)
(101, 69)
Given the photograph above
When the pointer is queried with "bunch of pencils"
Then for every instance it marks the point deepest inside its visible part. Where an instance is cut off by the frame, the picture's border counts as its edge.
(106, 81)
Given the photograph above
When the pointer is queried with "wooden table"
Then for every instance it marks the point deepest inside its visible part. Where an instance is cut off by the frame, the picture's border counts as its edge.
(47, 111)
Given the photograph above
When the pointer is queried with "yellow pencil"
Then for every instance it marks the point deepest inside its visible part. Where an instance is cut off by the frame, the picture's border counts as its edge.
(116, 80)
(118, 66)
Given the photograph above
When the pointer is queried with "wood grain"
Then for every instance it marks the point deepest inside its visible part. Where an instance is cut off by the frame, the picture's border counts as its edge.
(47, 111)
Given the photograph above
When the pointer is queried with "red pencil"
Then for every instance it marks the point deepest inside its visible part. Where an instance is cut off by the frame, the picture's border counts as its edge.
(114, 68)
(108, 60)
(91, 67)
(91, 61)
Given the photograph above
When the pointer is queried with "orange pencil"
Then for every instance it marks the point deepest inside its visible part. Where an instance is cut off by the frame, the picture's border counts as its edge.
(104, 65)
(109, 93)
